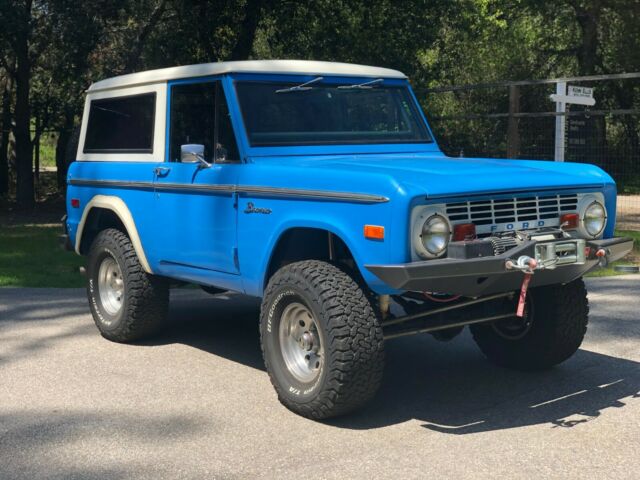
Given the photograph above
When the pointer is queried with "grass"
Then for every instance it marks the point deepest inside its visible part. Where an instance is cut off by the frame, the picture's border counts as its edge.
(30, 256)
(47, 155)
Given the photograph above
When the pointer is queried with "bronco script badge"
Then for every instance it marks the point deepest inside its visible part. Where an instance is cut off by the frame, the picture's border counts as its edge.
(251, 208)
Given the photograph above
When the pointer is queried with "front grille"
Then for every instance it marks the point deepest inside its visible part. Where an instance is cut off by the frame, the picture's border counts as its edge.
(524, 212)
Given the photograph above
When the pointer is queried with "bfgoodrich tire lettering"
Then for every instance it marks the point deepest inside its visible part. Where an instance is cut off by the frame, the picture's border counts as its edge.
(559, 317)
(348, 331)
(143, 305)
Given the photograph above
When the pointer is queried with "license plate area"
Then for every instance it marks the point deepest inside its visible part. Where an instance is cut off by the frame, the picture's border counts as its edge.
(565, 252)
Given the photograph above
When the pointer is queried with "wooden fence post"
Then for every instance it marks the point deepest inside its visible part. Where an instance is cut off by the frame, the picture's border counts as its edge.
(513, 134)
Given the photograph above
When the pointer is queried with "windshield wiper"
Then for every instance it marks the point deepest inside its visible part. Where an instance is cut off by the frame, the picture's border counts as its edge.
(364, 85)
(300, 88)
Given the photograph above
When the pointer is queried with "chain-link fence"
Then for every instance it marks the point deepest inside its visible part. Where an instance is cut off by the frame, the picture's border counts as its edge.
(517, 120)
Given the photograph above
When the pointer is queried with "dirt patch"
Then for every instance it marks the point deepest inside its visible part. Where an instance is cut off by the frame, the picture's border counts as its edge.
(46, 211)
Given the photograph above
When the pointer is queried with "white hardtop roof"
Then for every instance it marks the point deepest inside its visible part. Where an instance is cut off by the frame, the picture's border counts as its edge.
(301, 67)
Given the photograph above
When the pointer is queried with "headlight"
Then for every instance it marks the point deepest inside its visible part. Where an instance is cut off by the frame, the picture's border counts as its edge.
(594, 219)
(435, 235)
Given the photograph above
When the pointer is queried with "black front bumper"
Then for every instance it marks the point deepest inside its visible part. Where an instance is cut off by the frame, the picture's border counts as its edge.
(486, 275)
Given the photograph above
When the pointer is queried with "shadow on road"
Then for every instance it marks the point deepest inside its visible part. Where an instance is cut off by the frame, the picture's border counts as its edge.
(450, 387)
(224, 325)
(456, 390)
(41, 444)
(41, 310)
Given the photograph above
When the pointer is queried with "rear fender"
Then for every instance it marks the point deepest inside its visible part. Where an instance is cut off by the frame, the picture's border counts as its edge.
(117, 206)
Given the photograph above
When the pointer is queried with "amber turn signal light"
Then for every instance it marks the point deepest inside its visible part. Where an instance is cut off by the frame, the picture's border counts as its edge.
(569, 221)
(464, 231)
(374, 232)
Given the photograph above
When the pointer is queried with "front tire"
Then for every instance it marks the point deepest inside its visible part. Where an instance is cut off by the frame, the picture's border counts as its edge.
(321, 340)
(551, 331)
(127, 303)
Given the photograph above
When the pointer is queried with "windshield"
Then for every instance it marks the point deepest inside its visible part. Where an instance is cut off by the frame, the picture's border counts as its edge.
(312, 113)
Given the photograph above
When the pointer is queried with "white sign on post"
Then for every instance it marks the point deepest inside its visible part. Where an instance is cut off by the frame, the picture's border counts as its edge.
(583, 92)
(572, 95)
(576, 96)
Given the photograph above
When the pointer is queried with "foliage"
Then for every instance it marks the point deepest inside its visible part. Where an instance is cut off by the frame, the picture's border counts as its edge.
(51, 50)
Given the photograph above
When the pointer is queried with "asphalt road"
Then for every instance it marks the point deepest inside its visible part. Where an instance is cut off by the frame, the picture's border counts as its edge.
(196, 402)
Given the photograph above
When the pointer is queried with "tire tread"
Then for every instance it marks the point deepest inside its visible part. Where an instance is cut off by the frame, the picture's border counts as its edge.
(561, 316)
(147, 296)
(354, 333)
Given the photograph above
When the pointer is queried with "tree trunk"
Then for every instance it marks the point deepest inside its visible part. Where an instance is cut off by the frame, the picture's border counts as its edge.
(24, 162)
(64, 137)
(133, 60)
(513, 132)
(247, 33)
(588, 18)
(36, 151)
(5, 118)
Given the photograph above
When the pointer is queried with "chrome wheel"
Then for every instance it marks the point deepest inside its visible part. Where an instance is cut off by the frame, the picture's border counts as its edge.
(300, 343)
(110, 285)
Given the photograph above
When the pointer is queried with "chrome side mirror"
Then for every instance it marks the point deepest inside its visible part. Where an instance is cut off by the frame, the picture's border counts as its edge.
(193, 153)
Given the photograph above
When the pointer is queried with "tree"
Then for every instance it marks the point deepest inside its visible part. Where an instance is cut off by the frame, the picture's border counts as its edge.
(17, 21)
(254, 11)
(51, 51)
(5, 131)
(61, 77)
(387, 33)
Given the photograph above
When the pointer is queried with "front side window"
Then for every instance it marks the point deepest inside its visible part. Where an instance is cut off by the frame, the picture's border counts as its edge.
(121, 125)
(275, 114)
(199, 115)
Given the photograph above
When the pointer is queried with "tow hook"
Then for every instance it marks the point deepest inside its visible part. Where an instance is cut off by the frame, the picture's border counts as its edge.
(524, 263)
(527, 265)
(601, 253)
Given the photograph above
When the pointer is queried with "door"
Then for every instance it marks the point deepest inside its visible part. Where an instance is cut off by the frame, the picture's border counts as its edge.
(195, 203)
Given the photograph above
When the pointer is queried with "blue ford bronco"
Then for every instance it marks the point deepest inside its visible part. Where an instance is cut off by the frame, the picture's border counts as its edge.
(320, 188)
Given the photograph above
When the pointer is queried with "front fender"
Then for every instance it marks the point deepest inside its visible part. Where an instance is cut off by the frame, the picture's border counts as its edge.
(259, 233)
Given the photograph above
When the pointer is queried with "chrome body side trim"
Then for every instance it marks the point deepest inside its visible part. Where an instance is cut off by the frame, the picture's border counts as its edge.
(240, 189)
(315, 194)
(109, 183)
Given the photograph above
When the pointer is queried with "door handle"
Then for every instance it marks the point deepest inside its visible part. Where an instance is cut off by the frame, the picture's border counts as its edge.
(161, 171)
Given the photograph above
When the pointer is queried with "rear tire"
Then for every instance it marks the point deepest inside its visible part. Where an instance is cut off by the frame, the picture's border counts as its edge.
(321, 340)
(127, 303)
(557, 316)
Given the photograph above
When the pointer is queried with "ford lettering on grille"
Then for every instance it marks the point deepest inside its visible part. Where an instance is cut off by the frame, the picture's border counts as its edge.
(516, 213)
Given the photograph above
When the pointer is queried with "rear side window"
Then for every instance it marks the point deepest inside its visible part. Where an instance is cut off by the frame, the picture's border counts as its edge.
(121, 125)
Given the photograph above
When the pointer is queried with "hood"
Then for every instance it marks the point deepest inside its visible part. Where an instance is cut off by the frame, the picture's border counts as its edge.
(436, 175)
